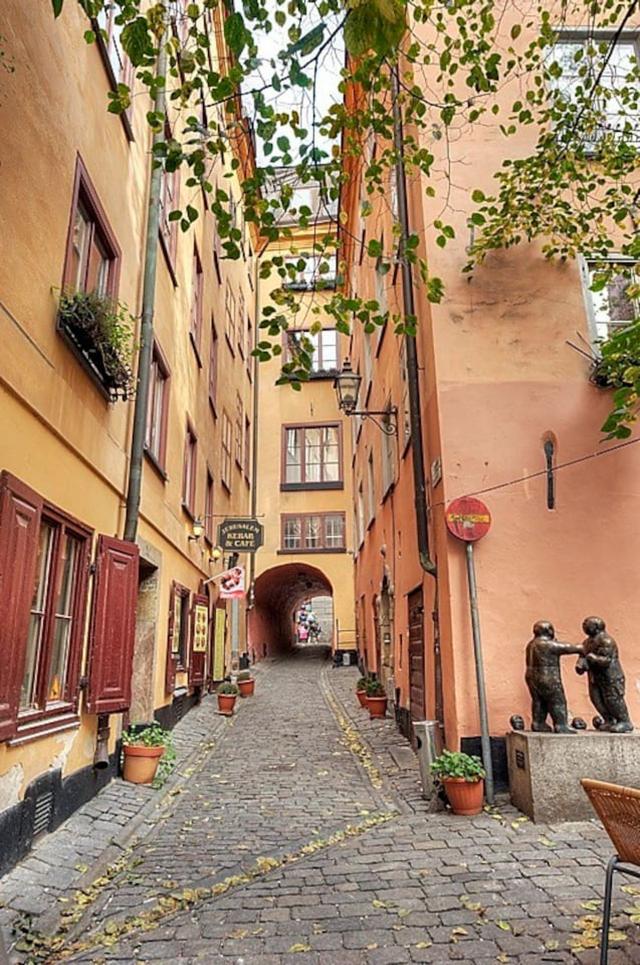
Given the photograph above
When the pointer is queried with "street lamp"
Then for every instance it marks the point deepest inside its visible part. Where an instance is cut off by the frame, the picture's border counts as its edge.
(347, 386)
(197, 529)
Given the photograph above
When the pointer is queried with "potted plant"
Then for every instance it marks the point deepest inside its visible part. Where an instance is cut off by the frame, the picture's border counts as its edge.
(376, 699)
(142, 747)
(462, 776)
(361, 691)
(246, 683)
(227, 696)
(100, 332)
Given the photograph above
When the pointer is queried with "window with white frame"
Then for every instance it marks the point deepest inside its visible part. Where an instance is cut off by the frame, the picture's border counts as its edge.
(324, 348)
(577, 62)
(610, 289)
(309, 272)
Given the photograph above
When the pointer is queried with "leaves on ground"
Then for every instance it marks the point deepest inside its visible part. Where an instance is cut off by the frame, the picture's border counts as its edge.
(300, 947)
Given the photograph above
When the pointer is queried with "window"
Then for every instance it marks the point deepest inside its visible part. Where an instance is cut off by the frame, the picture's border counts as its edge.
(180, 639)
(360, 516)
(324, 348)
(55, 625)
(313, 532)
(230, 316)
(208, 509)
(227, 443)
(92, 257)
(610, 60)
(310, 272)
(213, 367)
(612, 307)
(158, 408)
(405, 431)
(371, 490)
(189, 472)
(241, 322)
(249, 347)
(312, 457)
(247, 448)
(169, 190)
(197, 282)
(388, 456)
(239, 428)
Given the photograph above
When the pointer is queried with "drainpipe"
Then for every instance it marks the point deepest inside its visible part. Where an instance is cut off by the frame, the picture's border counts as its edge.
(419, 481)
(145, 354)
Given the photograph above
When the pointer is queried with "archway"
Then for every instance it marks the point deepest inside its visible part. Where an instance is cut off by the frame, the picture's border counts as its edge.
(279, 593)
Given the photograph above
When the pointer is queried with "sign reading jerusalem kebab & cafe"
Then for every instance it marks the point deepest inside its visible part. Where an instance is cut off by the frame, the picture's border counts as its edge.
(240, 535)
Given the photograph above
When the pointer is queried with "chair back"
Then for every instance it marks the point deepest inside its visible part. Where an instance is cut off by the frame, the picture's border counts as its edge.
(619, 810)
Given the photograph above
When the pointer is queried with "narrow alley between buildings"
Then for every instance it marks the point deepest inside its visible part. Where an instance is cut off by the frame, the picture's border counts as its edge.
(295, 832)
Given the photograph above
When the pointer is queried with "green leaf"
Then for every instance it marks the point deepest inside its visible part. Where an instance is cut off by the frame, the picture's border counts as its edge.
(478, 196)
(57, 7)
(235, 33)
(136, 40)
(516, 30)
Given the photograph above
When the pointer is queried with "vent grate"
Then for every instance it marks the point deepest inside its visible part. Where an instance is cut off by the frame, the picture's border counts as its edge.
(43, 813)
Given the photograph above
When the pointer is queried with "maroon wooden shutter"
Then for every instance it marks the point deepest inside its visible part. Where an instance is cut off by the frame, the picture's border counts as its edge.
(113, 626)
(172, 658)
(198, 657)
(20, 509)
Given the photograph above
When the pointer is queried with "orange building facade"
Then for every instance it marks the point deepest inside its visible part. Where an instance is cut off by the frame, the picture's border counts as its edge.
(508, 412)
(96, 631)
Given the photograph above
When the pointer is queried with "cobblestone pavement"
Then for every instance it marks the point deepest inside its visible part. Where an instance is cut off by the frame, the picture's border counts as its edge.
(301, 837)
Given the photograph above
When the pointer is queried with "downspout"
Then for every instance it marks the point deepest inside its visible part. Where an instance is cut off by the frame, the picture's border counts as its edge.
(254, 440)
(419, 481)
(145, 354)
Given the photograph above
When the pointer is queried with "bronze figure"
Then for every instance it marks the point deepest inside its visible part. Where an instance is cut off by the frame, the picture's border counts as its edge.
(544, 679)
(601, 662)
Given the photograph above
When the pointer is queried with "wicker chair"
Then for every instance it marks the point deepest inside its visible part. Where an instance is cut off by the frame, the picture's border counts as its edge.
(619, 810)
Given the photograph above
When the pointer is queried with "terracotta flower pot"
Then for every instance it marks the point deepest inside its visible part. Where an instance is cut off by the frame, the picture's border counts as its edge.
(247, 687)
(141, 763)
(226, 703)
(465, 797)
(362, 697)
(377, 706)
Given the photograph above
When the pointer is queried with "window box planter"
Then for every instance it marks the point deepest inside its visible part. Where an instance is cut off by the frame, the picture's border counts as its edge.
(97, 331)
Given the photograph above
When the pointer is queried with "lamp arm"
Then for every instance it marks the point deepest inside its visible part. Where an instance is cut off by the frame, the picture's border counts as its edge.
(391, 428)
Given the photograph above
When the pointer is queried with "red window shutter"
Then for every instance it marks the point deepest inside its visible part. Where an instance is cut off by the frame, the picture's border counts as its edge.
(199, 643)
(20, 510)
(172, 658)
(113, 626)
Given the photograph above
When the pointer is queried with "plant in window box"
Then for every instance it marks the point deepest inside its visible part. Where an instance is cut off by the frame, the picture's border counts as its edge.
(462, 776)
(361, 691)
(100, 331)
(246, 683)
(142, 748)
(227, 696)
(376, 699)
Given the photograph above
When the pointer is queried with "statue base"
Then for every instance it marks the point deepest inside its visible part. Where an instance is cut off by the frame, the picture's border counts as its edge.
(545, 770)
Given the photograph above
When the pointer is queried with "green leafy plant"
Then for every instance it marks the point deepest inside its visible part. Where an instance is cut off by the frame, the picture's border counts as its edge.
(166, 765)
(375, 689)
(455, 764)
(102, 330)
(618, 367)
(244, 675)
(228, 690)
(152, 735)
(362, 683)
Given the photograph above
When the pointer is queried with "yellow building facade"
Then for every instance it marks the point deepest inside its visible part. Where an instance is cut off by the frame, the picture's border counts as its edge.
(303, 492)
(73, 212)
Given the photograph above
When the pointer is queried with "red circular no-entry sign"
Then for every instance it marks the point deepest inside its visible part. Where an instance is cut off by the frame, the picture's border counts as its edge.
(468, 518)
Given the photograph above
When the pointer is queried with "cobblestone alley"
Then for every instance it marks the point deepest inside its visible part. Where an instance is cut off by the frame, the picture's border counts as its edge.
(296, 833)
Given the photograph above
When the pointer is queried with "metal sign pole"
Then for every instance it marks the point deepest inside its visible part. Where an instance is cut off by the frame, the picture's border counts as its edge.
(482, 694)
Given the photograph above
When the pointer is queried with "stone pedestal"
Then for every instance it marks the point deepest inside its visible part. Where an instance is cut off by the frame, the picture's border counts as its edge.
(545, 770)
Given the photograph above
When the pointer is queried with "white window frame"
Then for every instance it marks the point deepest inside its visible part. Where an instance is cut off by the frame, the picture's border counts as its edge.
(585, 275)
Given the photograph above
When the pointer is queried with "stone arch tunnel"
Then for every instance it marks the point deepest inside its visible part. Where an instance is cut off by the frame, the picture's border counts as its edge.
(279, 592)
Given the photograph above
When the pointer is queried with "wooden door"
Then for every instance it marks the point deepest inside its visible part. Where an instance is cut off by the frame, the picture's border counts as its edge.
(416, 655)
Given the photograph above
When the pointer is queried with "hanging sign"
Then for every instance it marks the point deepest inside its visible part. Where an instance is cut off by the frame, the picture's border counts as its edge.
(200, 627)
(468, 518)
(241, 535)
(232, 584)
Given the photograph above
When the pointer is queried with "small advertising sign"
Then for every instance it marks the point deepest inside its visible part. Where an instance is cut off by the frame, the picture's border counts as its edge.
(200, 628)
(232, 583)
